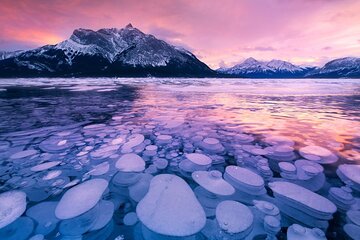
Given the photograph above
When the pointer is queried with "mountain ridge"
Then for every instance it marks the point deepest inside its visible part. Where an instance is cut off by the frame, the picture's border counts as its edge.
(105, 52)
(128, 52)
(251, 67)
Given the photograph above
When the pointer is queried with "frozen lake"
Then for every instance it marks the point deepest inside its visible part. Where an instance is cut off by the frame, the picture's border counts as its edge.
(86, 150)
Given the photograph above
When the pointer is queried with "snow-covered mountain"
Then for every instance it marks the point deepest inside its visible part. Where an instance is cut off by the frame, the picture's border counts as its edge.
(348, 67)
(253, 68)
(106, 52)
(5, 54)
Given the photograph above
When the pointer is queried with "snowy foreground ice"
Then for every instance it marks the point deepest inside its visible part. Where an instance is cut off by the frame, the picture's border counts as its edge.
(150, 159)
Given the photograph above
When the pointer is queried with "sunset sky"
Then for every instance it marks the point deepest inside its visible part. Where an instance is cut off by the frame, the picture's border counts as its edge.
(220, 33)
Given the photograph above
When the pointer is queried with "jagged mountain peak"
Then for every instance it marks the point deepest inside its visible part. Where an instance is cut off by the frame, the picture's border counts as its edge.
(110, 50)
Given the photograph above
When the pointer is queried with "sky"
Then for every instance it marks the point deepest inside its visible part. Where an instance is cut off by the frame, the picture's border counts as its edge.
(220, 33)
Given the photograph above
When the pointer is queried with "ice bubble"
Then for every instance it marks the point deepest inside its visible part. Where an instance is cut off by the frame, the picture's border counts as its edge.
(23, 154)
(21, 229)
(195, 161)
(211, 141)
(80, 224)
(125, 179)
(306, 169)
(163, 139)
(100, 169)
(255, 150)
(213, 182)
(281, 153)
(266, 208)
(198, 159)
(132, 141)
(279, 140)
(244, 179)
(303, 199)
(106, 211)
(287, 167)
(102, 234)
(104, 152)
(297, 232)
(271, 226)
(117, 118)
(94, 126)
(72, 183)
(118, 140)
(342, 198)
(80, 198)
(234, 217)
(244, 138)
(12, 206)
(161, 163)
(318, 154)
(138, 190)
(350, 173)
(352, 231)
(130, 162)
(211, 145)
(44, 166)
(150, 151)
(44, 215)
(130, 219)
(52, 174)
(55, 144)
(170, 207)
(353, 216)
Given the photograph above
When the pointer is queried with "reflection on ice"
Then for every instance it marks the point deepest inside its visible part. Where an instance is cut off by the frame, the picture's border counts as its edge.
(162, 159)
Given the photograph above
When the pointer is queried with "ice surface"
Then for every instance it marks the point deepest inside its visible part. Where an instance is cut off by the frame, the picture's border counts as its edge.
(12, 206)
(21, 229)
(63, 138)
(80, 198)
(130, 162)
(171, 208)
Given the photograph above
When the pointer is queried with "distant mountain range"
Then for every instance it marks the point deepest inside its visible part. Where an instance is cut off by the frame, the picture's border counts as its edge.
(128, 52)
(251, 68)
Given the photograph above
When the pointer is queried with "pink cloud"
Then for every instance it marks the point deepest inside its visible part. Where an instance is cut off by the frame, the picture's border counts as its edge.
(228, 30)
